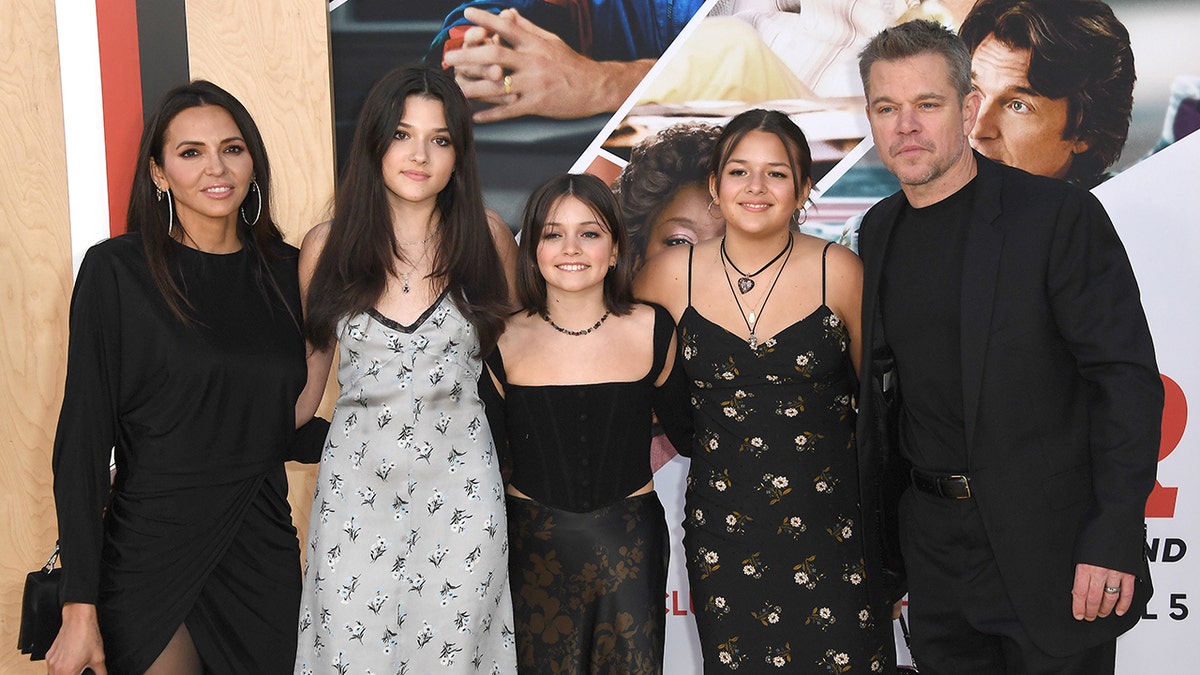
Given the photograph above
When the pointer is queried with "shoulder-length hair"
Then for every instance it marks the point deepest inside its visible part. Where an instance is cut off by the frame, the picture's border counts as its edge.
(531, 285)
(361, 249)
(771, 122)
(151, 217)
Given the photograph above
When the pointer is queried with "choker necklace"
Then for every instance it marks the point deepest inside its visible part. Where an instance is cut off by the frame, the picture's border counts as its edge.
(751, 320)
(745, 282)
(585, 331)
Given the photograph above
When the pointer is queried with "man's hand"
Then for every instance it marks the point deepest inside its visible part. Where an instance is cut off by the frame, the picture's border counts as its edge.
(1090, 596)
(522, 69)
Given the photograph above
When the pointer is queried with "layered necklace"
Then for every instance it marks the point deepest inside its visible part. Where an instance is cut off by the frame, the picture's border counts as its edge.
(584, 331)
(745, 282)
(751, 318)
(405, 276)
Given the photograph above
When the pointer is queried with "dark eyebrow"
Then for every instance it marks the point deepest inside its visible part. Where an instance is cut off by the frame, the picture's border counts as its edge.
(231, 139)
(439, 130)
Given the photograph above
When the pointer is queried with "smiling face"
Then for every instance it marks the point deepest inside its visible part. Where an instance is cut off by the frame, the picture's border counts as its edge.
(576, 248)
(206, 167)
(686, 219)
(420, 159)
(1017, 126)
(920, 127)
(757, 188)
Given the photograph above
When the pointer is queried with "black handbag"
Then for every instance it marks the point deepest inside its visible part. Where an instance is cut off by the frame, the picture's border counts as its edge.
(41, 611)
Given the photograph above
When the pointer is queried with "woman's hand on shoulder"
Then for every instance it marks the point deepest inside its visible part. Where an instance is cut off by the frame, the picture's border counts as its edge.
(78, 645)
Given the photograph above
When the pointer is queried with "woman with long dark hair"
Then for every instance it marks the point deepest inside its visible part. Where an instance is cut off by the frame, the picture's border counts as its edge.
(186, 356)
(769, 330)
(407, 549)
(573, 383)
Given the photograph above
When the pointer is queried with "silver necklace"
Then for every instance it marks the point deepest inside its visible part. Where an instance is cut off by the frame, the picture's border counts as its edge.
(751, 320)
(405, 275)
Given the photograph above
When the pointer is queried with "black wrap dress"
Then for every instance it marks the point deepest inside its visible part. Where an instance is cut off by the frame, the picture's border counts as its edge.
(197, 528)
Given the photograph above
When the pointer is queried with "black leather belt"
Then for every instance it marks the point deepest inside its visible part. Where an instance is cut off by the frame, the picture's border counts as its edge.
(944, 485)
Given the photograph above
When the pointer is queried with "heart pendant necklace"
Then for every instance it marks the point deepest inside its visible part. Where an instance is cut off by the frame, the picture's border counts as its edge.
(745, 282)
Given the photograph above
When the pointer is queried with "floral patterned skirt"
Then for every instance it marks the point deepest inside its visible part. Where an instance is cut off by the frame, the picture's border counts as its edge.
(588, 588)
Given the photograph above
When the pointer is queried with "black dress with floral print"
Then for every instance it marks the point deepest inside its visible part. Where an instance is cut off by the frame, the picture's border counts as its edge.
(774, 555)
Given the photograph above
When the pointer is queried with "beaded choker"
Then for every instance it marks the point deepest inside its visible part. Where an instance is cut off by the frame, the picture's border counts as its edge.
(585, 331)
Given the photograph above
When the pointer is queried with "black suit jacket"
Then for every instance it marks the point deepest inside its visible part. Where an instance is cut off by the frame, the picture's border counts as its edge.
(1062, 398)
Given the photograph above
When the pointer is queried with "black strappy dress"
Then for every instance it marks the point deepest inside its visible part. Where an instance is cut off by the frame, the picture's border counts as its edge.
(773, 544)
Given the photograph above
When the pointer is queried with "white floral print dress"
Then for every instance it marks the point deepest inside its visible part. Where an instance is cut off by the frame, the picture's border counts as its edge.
(407, 546)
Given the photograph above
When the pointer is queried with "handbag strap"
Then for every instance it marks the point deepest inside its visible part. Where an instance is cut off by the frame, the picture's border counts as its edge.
(49, 566)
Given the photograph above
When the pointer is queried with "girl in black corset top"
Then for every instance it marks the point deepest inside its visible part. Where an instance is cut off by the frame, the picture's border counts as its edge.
(573, 383)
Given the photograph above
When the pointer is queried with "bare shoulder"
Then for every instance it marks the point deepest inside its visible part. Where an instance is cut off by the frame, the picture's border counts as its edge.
(663, 279)
(643, 315)
(497, 226)
(313, 244)
(841, 260)
(518, 329)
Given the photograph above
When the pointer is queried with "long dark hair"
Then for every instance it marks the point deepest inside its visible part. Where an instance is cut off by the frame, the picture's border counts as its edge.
(150, 217)
(618, 282)
(361, 248)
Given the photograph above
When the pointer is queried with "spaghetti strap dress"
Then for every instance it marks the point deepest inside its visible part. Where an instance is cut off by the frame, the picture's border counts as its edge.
(407, 556)
(772, 525)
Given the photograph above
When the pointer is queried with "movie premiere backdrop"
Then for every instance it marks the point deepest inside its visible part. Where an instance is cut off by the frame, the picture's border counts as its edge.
(75, 131)
(801, 57)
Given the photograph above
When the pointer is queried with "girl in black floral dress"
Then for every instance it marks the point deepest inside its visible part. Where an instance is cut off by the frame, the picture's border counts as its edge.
(573, 382)
(768, 325)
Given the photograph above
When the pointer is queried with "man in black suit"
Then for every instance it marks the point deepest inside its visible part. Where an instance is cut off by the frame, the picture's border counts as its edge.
(1008, 362)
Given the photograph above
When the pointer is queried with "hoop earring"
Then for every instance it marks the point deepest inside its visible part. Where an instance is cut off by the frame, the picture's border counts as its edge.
(800, 216)
(258, 213)
(711, 202)
(170, 211)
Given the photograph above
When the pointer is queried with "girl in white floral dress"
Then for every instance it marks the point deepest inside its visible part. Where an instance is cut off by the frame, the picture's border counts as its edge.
(407, 547)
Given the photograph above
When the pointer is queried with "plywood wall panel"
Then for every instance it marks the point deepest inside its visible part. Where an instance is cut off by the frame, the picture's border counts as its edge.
(35, 287)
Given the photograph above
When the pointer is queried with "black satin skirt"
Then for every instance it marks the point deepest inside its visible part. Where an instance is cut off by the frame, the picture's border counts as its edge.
(588, 588)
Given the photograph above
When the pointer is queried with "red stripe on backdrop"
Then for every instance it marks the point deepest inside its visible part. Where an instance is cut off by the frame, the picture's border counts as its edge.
(121, 88)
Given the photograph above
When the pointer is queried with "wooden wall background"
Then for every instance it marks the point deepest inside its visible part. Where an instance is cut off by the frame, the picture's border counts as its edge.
(271, 54)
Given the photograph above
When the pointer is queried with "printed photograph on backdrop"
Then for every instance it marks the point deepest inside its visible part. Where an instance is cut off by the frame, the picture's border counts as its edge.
(531, 69)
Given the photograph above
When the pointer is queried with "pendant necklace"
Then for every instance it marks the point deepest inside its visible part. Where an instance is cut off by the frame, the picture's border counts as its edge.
(576, 333)
(405, 275)
(745, 282)
(751, 320)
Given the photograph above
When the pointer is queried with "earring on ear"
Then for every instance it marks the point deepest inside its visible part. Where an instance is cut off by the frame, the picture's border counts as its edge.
(711, 202)
(257, 214)
(801, 216)
(158, 192)
(170, 212)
